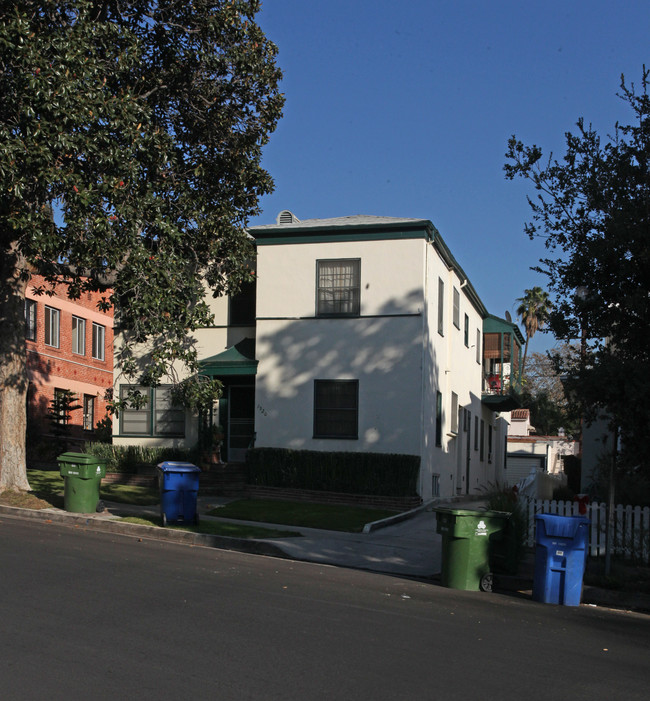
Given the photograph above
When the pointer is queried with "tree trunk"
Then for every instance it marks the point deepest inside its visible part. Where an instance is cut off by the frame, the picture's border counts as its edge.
(13, 372)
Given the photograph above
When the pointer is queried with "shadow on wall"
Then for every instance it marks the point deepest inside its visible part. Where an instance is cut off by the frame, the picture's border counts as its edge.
(385, 352)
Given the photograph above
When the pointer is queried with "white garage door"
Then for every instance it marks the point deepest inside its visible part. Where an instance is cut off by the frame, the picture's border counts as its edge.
(518, 468)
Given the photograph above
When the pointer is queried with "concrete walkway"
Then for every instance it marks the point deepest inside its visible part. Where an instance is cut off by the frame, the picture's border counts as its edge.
(409, 546)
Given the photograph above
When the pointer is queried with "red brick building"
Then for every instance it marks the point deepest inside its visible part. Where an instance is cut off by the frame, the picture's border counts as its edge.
(69, 346)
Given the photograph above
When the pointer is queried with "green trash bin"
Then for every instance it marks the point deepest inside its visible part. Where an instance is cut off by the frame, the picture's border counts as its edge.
(469, 539)
(82, 475)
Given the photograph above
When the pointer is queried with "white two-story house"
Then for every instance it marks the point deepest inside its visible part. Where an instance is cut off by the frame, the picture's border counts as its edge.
(364, 334)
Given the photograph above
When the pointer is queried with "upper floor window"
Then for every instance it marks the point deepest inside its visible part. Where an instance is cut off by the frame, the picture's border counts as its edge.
(456, 308)
(30, 319)
(52, 320)
(336, 408)
(241, 308)
(78, 335)
(478, 346)
(466, 331)
(339, 284)
(99, 335)
(441, 307)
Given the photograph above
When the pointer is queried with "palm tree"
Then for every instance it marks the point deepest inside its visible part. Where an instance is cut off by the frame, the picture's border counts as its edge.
(533, 311)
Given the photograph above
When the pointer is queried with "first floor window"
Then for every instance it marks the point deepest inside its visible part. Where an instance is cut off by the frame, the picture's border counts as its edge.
(454, 412)
(338, 283)
(52, 317)
(78, 335)
(438, 419)
(89, 412)
(99, 333)
(150, 412)
(482, 454)
(336, 408)
(30, 319)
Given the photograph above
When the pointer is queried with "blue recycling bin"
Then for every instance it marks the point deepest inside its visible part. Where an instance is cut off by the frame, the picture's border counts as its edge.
(179, 486)
(560, 557)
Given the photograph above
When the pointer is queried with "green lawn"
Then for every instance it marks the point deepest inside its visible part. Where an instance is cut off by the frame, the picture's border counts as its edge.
(234, 530)
(48, 485)
(330, 517)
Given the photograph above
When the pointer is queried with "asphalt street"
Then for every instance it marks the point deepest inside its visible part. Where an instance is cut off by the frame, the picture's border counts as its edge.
(94, 615)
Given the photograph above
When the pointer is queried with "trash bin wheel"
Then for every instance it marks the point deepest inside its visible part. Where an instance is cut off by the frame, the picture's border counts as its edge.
(164, 519)
(487, 580)
(196, 520)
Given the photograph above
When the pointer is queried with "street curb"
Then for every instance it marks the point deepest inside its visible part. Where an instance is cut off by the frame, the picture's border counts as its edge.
(244, 545)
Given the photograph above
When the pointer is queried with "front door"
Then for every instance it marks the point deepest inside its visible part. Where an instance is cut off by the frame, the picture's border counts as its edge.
(241, 421)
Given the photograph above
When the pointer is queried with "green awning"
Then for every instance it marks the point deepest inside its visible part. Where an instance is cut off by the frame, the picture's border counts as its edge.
(236, 360)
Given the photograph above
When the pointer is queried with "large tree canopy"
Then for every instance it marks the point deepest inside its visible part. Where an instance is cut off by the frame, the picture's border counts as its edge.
(130, 147)
(593, 208)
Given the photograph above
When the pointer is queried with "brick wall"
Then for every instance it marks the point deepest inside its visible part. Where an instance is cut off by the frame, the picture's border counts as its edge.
(52, 367)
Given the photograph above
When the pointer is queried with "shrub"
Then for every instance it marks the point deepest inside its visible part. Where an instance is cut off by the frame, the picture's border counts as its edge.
(128, 458)
(376, 474)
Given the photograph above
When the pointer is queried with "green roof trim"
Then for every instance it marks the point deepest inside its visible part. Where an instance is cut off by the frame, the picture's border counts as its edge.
(236, 360)
(365, 228)
(493, 324)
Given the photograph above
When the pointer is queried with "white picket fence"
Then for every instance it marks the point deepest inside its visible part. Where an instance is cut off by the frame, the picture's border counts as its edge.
(631, 532)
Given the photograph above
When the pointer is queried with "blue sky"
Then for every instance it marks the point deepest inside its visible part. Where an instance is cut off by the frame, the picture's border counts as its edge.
(405, 108)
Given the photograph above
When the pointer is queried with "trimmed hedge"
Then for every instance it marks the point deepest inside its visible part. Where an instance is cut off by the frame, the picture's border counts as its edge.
(379, 474)
(128, 458)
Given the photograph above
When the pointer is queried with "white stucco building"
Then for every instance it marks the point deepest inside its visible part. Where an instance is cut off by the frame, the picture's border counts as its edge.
(362, 334)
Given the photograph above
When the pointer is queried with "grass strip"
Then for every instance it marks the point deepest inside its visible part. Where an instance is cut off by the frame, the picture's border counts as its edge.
(331, 517)
(234, 530)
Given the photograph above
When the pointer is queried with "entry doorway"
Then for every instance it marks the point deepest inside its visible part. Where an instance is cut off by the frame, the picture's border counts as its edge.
(241, 421)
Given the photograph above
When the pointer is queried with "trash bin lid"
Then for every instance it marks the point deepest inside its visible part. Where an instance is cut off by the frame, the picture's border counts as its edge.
(172, 466)
(561, 526)
(80, 459)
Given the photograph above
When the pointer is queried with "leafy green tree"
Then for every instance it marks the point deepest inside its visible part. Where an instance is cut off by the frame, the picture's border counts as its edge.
(533, 311)
(593, 208)
(131, 135)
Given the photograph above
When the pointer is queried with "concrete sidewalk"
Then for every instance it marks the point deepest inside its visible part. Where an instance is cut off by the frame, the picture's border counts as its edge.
(410, 546)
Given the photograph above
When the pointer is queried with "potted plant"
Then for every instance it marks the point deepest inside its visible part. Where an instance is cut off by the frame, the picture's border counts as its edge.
(212, 452)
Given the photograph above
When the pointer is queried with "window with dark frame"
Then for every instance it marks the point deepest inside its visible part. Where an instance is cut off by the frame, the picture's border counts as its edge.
(456, 308)
(336, 409)
(241, 306)
(482, 451)
(89, 412)
(438, 419)
(52, 318)
(30, 319)
(466, 331)
(158, 416)
(338, 284)
(476, 433)
(478, 346)
(490, 429)
(78, 335)
(441, 307)
(454, 412)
